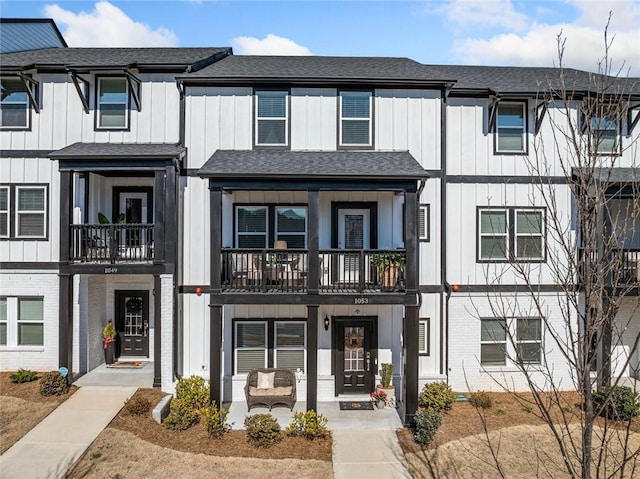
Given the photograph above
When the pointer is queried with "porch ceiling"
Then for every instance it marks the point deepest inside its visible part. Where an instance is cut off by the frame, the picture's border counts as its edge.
(354, 166)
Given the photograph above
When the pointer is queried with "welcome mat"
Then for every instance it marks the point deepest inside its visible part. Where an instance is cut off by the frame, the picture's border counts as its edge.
(356, 405)
(127, 364)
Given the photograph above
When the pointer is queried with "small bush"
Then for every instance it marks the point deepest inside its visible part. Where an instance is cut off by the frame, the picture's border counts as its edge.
(427, 424)
(263, 430)
(181, 415)
(137, 406)
(23, 376)
(194, 390)
(386, 375)
(437, 397)
(310, 425)
(617, 402)
(53, 384)
(501, 412)
(528, 409)
(481, 399)
(215, 420)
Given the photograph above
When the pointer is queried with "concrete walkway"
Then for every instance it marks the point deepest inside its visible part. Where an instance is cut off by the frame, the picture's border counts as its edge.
(50, 448)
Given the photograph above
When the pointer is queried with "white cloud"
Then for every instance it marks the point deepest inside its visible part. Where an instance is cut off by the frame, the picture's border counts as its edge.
(584, 45)
(107, 26)
(269, 45)
(484, 14)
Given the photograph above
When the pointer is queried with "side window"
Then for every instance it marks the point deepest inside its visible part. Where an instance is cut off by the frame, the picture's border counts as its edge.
(30, 322)
(510, 127)
(271, 118)
(423, 222)
(4, 212)
(112, 103)
(3, 321)
(14, 104)
(251, 225)
(356, 118)
(423, 336)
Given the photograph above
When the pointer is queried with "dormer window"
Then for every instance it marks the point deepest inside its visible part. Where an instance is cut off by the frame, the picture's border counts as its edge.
(14, 104)
(112, 103)
(271, 118)
(604, 135)
(510, 129)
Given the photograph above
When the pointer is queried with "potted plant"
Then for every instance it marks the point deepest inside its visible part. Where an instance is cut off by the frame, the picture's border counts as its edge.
(388, 266)
(380, 398)
(386, 374)
(109, 342)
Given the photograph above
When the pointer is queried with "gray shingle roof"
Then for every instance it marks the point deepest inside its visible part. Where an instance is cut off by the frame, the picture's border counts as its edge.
(92, 151)
(106, 57)
(615, 175)
(312, 164)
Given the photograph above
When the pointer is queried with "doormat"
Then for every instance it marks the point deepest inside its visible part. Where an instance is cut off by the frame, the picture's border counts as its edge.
(356, 405)
(127, 364)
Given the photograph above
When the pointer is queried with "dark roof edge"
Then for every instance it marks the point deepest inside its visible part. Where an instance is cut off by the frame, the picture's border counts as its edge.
(226, 176)
(305, 81)
(38, 20)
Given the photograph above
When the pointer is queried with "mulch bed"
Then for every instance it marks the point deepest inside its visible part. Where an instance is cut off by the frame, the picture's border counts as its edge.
(29, 391)
(233, 443)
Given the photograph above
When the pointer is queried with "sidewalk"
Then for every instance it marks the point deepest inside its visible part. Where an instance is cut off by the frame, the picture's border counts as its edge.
(368, 453)
(50, 448)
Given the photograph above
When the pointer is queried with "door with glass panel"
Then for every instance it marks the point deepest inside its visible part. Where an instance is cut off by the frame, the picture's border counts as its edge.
(354, 236)
(355, 356)
(132, 323)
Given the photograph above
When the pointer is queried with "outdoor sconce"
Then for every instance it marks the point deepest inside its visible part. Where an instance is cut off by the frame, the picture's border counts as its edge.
(326, 322)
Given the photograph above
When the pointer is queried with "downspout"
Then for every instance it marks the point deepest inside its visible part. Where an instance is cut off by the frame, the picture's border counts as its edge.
(444, 308)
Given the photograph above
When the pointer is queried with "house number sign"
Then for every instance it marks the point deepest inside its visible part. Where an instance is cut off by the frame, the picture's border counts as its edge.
(360, 300)
(110, 270)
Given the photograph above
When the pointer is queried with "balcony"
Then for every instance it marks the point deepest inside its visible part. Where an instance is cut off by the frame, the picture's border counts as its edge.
(622, 266)
(340, 271)
(112, 243)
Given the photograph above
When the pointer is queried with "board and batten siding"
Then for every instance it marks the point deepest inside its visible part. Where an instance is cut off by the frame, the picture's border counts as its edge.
(62, 120)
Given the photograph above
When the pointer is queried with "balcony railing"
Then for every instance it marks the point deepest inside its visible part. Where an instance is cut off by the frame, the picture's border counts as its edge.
(622, 266)
(112, 243)
(287, 271)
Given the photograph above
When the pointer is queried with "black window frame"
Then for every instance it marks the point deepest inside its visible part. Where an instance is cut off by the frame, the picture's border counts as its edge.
(587, 129)
(271, 234)
(427, 336)
(525, 133)
(356, 146)
(511, 215)
(31, 94)
(96, 116)
(512, 342)
(287, 129)
(13, 211)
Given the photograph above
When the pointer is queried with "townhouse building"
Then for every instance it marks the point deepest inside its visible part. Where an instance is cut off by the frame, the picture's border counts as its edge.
(322, 214)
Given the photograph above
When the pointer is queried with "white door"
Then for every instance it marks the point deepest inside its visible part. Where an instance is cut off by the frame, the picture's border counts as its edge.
(353, 235)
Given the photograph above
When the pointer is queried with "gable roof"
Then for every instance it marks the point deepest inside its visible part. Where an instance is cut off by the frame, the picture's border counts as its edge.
(170, 59)
(19, 34)
(355, 165)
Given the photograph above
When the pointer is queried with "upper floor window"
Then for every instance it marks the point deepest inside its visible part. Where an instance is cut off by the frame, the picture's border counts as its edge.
(604, 135)
(356, 118)
(291, 225)
(271, 118)
(254, 223)
(23, 211)
(511, 234)
(251, 225)
(113, 103)
(14, 103)
(511, 127)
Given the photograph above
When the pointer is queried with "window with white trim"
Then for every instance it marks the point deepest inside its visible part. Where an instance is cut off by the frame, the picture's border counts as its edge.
(520, 344)
(604, 135)
(255, 222)
(22, 321)
(290, 348)
(423, 336)
(291, 225)
(14, 103)
(4, 211)
(510, 127)
(250, 346)
(272, 118)
(251, 226)
(113, 103)
(31, 211)
(356, 118)
(511, 234)
(3, 321)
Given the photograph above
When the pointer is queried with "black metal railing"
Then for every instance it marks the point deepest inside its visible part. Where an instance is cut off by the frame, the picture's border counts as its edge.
(287, 270)
(618, 268)
(112, 243)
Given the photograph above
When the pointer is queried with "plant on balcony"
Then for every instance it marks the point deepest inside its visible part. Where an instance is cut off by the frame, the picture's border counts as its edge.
(388, 266)
(109, 342)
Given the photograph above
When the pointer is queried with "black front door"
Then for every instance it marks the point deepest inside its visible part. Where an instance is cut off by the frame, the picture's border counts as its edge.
(132, 322)
(355, 356)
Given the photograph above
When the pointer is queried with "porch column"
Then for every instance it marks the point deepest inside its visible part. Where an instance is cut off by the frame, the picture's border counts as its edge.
(604, 371)
(215, 355)
(312, 358)
(411, 241)
(215, 230)
(170, 218)
(65, 322)
(410, 352)
(66, 192)
(157, 331)
(159, 228)
(313, 198)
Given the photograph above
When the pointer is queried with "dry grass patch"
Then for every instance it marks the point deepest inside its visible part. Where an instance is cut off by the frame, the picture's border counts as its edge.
(23, 407)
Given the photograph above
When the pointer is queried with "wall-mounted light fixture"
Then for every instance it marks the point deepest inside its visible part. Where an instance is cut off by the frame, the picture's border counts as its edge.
(326, 322)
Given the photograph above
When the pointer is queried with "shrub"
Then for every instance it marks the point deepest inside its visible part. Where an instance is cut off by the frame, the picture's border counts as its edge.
(310, 425)
(427, 424)
(617, 402)
(215, 420)
(386, 374)
(181, 415)
(194, 390)
(137, 406)
(23, 376)
(437, 397)
(53, 384)
(263, 430)
(481, 399)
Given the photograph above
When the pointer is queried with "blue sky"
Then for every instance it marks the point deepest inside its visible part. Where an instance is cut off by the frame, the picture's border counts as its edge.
(497, 32)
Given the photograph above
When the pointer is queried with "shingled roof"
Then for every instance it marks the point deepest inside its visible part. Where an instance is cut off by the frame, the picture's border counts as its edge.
(85, 58)
(92, 151)
(312, 164)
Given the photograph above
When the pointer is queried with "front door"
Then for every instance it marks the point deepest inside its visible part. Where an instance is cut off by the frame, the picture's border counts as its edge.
(132, 322)
(355, 358)
(353, 235)
(133, 205)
